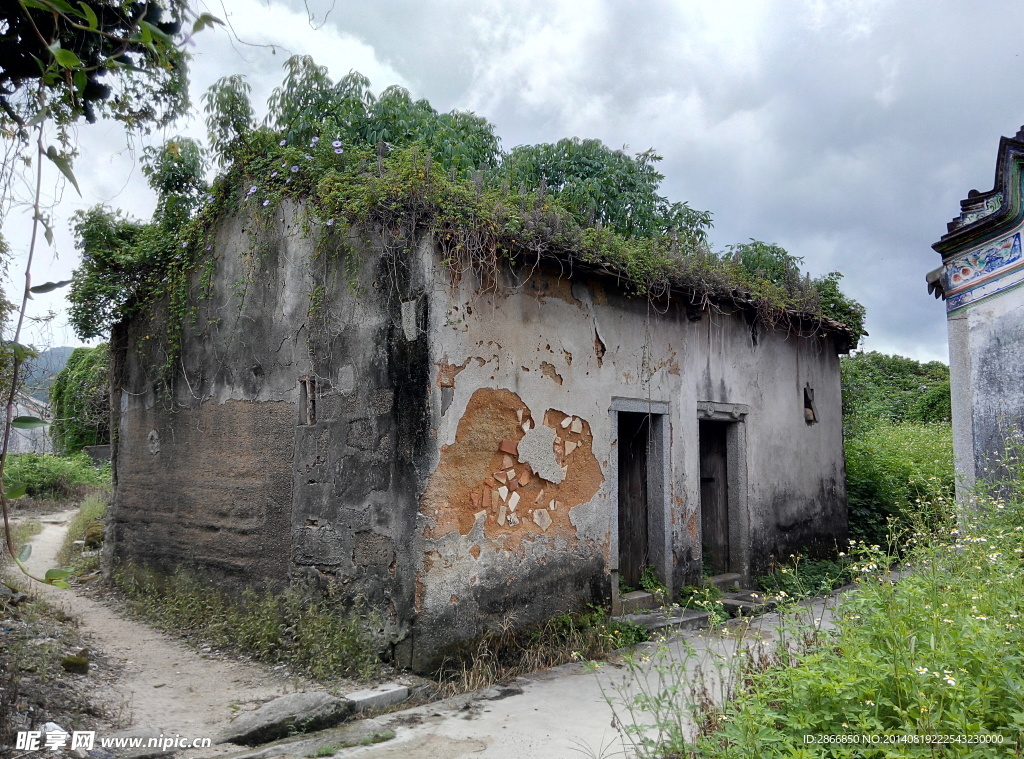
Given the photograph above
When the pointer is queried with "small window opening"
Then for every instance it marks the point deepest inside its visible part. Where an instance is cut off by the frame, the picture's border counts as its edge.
(307, 400)
(810, 412)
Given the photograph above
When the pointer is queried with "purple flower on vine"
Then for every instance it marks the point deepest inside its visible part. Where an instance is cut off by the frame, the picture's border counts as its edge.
(252, 189)
(294, 169)
(282, 143)
(273, 174)
(336, 144)
(184, 245)
(266, 203)
(339, 151)
(314, 141)
(330, 222)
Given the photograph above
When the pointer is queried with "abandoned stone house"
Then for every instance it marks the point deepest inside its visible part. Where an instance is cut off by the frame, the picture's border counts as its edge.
(980, 280)
(454, 451)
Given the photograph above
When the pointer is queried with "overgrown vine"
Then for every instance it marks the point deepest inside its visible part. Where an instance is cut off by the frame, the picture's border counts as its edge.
(393, 170)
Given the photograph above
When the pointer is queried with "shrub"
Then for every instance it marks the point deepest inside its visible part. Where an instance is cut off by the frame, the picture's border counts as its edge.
(893, 471)
(801, 577)
(55, 477)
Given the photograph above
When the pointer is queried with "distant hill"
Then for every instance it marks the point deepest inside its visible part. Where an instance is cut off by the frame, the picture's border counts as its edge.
(40, 372)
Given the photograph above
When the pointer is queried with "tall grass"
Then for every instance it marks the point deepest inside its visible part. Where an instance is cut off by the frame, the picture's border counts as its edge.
(893, 472)
(510, 652)
(93, 509)
(317, 636)
(929, 662)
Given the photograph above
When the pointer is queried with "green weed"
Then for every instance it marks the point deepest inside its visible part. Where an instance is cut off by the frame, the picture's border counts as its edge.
(317, 636)
(55, 477)
(93, 508)
(937, 650)
(511, 652)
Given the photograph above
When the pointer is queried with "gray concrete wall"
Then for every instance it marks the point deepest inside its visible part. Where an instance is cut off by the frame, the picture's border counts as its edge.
(543, 348)
(986, 363)
(228, 476)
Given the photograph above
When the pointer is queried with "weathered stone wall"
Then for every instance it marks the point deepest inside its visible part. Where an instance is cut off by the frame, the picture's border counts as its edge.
(289, 447)
(986, 363)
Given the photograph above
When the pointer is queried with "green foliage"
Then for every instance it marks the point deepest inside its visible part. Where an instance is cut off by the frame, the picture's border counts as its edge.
(912, 659)
(878, 386)
(933, 405)
(707, 598)
(93, 508)
(599, 185)
(768, 261)
(395, 168)
(319, 637)
(836, 305)
(229, 115)
(55, 477)
(801, 577)
(902, 667)
(80, 400)
(650, 582)
(893, 472)
(116, 59)
(175, 172)
(309, 105)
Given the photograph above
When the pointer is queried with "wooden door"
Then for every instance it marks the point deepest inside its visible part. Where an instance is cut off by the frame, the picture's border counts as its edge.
(634, 447)
(714, 496)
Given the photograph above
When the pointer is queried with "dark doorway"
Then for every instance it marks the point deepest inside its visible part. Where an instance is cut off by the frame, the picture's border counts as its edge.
(634, 454)
(714, 496)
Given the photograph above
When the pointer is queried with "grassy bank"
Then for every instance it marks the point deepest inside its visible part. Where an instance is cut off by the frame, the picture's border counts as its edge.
(938, 653)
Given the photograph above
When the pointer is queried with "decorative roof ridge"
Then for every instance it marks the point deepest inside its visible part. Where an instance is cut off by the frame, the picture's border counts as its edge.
(983, 212)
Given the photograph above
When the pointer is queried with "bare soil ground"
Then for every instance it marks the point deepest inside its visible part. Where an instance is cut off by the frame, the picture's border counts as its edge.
(144, 678)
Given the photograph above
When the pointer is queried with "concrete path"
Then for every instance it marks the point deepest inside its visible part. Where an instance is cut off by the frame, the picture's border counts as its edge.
(564, 712)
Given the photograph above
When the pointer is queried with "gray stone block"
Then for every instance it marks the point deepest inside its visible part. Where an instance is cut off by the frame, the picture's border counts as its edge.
(382, 696)
(294, 713)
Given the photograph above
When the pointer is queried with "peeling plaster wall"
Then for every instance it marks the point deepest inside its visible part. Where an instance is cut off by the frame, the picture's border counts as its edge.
(543, 350)
(231, 476)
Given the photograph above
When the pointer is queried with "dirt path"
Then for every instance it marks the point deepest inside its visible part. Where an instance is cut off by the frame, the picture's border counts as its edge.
(163, 684)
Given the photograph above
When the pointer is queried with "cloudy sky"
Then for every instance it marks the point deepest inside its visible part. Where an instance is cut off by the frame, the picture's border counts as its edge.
(844, 130)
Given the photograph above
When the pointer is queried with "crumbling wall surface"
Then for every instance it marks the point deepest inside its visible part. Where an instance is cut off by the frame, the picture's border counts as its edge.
(289, 445)
(517, 520)
(794, 469)
(536, 366)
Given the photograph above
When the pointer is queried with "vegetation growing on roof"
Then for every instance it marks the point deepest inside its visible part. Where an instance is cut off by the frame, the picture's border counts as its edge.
(397, 168)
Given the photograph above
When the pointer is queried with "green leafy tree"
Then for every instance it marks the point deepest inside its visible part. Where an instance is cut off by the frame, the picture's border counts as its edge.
(883, 387)
(80, 400)
(610, 187)
(60, 62)
(229, 115)
(310, 105)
